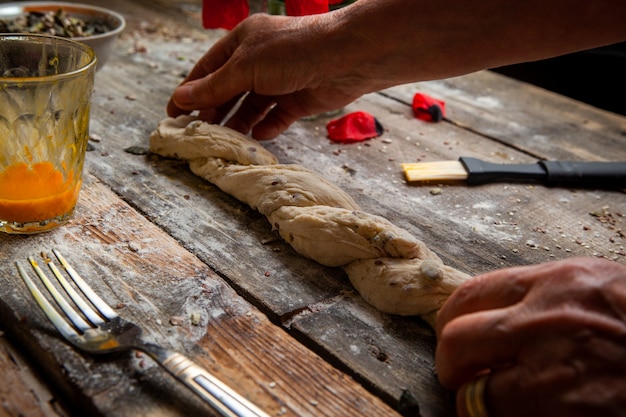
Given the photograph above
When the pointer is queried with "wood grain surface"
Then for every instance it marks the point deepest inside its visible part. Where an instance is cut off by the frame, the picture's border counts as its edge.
(207, 276)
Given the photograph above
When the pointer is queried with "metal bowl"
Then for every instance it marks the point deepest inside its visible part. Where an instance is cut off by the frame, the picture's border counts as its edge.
(102, 44)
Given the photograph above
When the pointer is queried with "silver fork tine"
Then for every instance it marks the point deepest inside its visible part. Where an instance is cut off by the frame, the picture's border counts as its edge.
(121, 335)
(59, 322)
(95, 299)
(87, 310)
(69, 311)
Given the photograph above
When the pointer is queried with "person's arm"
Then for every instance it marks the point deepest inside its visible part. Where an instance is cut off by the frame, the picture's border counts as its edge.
(552, 338)
(409, 41)
(296, 66)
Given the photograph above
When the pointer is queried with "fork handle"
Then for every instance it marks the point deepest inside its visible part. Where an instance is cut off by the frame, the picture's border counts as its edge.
(213, 391)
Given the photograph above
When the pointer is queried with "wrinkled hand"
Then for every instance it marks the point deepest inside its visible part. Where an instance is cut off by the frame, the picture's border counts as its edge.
(284, 67)
(552, 336)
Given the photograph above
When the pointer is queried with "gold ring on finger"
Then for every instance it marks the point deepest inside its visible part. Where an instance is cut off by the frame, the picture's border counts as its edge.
(475, 397)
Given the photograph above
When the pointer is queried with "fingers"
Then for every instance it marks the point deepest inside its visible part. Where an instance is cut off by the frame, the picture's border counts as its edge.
(551, 332)
(257, 113)
(544, 284)
(524, 390)
(496, 289)
(251, 110)
(212, 90)
(286, 111)
(276, 122)
(512, 337)
(474, 343)
(219, 115)
(206, 87)
(215, 57)
(471, 399)
(496, 394)
(209, 96)
(268, 116)
(482, 326)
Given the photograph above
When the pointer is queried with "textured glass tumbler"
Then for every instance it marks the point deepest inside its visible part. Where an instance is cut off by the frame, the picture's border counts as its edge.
(45, 94)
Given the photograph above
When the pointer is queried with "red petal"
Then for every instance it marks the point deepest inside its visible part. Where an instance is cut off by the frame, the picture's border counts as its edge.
(354, 127)
(427, 108)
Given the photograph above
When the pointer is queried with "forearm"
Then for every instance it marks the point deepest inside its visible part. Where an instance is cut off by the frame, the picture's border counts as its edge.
(293, 67)
(389, 42)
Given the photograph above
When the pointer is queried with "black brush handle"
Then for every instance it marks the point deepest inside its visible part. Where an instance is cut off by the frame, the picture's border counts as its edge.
(553, 173)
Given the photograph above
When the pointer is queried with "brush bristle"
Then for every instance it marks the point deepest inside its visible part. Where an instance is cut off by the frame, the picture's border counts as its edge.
(435, 171)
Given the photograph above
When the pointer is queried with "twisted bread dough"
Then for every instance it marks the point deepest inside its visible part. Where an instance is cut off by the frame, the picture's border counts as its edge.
(391, 269)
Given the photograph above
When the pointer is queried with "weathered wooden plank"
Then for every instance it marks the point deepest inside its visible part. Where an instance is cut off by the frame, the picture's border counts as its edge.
(22, 394)
(495, 214)
(536, 121)
(152, 280)
(475, 229)
(223, 233)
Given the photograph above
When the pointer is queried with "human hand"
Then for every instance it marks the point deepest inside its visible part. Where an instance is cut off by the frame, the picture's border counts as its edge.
(281, 66)
(284, 68)
(552, 338)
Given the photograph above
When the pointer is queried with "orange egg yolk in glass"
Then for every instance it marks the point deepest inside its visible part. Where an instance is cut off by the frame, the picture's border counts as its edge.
(37, 192)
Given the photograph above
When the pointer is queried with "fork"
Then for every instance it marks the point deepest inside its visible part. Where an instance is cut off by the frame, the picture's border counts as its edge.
(102, 330)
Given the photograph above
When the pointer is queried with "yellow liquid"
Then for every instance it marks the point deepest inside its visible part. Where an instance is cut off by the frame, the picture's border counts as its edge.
(31, 193)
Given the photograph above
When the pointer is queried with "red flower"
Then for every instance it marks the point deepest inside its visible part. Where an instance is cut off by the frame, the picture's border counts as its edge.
(225, 14)
(305, 7)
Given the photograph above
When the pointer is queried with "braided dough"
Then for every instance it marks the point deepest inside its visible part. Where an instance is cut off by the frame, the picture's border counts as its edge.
(391, 269)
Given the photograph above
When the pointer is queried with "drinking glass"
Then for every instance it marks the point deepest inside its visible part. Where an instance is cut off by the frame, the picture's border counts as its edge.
(45, 94)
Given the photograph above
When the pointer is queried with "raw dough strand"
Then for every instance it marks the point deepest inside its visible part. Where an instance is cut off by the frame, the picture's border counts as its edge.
(392, 270)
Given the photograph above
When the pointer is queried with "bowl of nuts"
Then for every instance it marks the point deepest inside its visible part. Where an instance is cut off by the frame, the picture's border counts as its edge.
(94, 26)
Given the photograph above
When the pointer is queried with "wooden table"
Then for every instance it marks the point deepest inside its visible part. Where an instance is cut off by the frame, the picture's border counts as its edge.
(208, 277)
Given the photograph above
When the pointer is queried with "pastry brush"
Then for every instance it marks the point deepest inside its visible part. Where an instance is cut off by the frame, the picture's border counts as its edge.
(552, 173)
